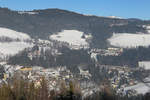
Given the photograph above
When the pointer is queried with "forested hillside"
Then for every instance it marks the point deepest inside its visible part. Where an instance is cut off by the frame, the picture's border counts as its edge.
(43, 23)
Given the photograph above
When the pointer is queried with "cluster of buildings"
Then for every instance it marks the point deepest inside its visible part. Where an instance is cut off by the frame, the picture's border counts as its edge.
(53, 76)
(108, 52)
(122, 77)
(105, 52)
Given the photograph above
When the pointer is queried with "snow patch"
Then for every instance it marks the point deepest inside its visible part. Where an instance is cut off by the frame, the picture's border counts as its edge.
(129, 40)
(28, 12)
(115, 17)
(73, 37)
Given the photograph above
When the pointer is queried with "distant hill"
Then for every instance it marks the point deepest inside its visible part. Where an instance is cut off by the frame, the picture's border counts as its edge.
(42, 23)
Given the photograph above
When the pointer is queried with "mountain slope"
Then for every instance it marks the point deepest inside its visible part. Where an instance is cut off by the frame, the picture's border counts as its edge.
(42, 23)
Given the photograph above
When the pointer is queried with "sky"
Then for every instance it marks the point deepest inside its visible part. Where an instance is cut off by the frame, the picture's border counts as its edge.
(121, 8)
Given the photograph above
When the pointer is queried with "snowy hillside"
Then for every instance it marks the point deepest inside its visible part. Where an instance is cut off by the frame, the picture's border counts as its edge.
(128, 40)
(144, 64)
(5, 32)
(13, 47)
(148, 29)
(73, 37)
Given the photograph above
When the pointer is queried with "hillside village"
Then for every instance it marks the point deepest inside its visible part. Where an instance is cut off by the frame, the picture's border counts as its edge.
(120, 77)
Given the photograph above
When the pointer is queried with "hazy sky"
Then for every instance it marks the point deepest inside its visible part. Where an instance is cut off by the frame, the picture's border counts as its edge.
(121, 8)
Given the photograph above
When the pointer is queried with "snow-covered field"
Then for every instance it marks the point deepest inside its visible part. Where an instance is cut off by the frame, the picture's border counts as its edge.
(128, 40)
(12, 48)
(144, 64)
(5, 32)
(141, 88)
(147, 79)
(148, 29)
(72, 37)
